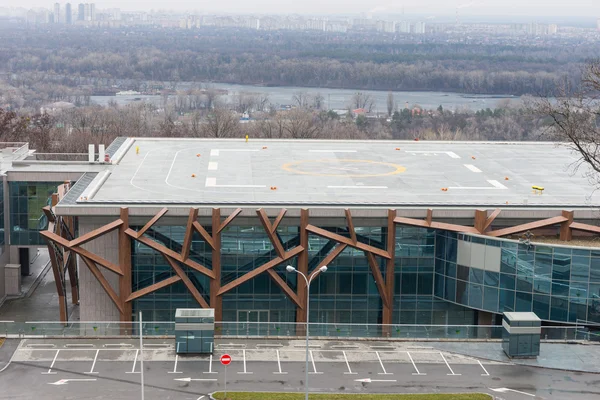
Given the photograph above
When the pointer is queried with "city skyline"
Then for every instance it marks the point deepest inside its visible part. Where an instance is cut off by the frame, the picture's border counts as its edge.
(574, 8)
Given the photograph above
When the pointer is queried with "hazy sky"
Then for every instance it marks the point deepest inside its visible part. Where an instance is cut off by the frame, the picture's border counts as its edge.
(434, 7)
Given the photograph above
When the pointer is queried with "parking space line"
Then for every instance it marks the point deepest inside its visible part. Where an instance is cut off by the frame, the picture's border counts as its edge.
(348, 365)
(134, 363)
(93, 364)
(245, 371)
(210, 371)
(52, 365)
(448, 365)
(382, 367)
(485, 370)
(175, 366)
(414, 365)
(313, 364)
(79, 345)
(279, 365)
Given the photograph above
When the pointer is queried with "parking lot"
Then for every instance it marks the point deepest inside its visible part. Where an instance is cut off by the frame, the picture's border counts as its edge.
(81, 368)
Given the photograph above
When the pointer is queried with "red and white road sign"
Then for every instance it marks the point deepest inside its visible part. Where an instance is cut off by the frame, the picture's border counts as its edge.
(225, 359)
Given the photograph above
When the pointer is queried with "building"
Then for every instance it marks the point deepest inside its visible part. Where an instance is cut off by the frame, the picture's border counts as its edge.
(57, 16)
(81, 12)
(92, 12)
(412, 232)
(68, 14)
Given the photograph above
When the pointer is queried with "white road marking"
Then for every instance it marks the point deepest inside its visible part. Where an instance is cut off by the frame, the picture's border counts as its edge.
(448, 365)
(382, 367)
(79, 345)
(41, 345)
(52, 365)
(118, 345)
(345, 347)
(212, 182)
(172, 165)
(190, 379)
(268, 345)
(332, 151)
(210, 371)
(94, 363)
(214, 153)
(313, 364)
(213, 165)
(66, 381)
(200, 398)
(357, 187)
(348, 365)
(485, 370)
(414, 365)
(472, 168)
(243, 150)
(245, 372)
(504, 390)
(495, 186)
(279, 365)
(160, 345)
(134, 363)
(451, 154)
(175, 366)
(369, 380)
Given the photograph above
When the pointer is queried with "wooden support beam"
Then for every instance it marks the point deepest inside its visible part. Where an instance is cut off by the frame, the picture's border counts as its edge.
(187, 282)
(429, 216)
(264, 220)
(436, 225)
(54, 199)
(205, 235)
(378, 278)
(104, 283)
(257, 271)
(302, 267)
(528, 227)
(228, 220)
(285, 287)
(585, 227)
(480, 218)
(96, 233)
(278, 220)
(71, 266)
(168, 252)
(189, 232)
(490, 219)
(333, 254)
(48, 213)
(350, 226)
(390, 245)
(566, 233)
(153, 221)
(341, 239)
(56, 271)
(216, 301)
(125, 280)
(152, 288)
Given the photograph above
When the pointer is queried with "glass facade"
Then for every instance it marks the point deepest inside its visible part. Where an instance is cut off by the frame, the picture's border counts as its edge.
(558, 283)
(1, 217)
(26, 217)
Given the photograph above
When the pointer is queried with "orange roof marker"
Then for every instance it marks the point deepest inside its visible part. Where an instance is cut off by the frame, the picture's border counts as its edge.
(273, 187)
(397, 148)
(193, 175)
(506, 178)
(264, 147)
(198, 155)
(473, 157)
(444, 189)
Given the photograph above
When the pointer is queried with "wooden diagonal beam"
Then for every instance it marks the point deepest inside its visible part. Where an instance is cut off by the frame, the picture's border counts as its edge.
(342, 239)
(286, 288)
(264, 220)
(103, 282)
(429, 217)
(154, 220)
(436, 225)
(585, 227)
(153, 288)
(257, 271)
(337, 250)
(168, 252)
(491, 218)
(96, 233)
(189, 231)
(350, 226)
(46, 210)
(528, 227)
(228, 220)
(566, 232)
(58, 281)
(187, 282)
(378, 278)
(278, 220)
(205, 235)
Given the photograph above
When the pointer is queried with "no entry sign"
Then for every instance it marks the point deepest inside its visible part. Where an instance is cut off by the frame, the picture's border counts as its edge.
(225, 359)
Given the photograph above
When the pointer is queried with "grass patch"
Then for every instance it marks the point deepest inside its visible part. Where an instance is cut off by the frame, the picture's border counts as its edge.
(327, 396)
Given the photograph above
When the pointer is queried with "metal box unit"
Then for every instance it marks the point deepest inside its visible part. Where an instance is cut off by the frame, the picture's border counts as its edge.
(521, 334)
(194, 330)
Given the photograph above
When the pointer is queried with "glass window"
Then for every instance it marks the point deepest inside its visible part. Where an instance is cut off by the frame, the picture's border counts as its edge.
(506, 300)
(580, 268)
(490, 299)
(524, 302)
(507, 281)
(541, 306)
(491, 278)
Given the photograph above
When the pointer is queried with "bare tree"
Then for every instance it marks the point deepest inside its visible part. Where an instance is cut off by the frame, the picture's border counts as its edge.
(12, 126)
(220, 123)
(302, 124)
(362, 100)
(390, 103)
(301, 100)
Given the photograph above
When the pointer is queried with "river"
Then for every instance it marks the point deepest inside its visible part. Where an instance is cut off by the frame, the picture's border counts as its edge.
(338, 98)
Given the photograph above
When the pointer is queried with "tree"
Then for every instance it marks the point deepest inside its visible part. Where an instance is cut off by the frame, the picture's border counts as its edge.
(390, 103)
(221, 123)
(362, 100)
(302, 124)
(40, 131)
(573, 117)
(12, 126)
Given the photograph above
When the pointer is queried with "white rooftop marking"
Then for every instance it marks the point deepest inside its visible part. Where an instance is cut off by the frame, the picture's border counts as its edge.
(451, 154)
(213, 165)
(357, 187)
(472, 168)
(214, 153)
(497, 184)
(211, 182)
(332, 151)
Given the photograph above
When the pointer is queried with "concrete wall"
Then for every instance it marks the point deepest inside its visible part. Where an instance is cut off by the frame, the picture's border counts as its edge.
(94, 303)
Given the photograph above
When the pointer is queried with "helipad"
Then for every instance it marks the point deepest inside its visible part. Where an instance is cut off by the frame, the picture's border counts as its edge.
(352, 173)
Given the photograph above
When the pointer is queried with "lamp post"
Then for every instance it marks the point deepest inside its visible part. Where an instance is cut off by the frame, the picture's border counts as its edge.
(308, 280)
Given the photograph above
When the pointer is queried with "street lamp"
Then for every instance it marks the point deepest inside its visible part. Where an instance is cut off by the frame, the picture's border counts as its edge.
(308, 280)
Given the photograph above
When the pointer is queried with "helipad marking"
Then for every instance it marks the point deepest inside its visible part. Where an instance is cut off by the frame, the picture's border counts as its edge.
(336, 163)
(495, 186)
(451, 154)
(214, 153)
(357, 187)
(332, 151)
(213, 165)
(212, 182)
(472, 168)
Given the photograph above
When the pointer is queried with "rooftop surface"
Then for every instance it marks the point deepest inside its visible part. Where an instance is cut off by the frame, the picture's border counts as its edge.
(374, 173)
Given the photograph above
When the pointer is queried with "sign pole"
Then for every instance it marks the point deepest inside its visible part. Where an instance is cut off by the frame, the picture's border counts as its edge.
(225, 397)
(141, 357)
(225, 360)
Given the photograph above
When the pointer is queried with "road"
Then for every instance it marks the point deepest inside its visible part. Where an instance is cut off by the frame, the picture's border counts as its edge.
(93, 369)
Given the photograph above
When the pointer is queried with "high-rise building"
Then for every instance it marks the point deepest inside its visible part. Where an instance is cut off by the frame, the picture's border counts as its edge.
(598, 24)
(81, 12)
(92, 11)
(68, 14)
(57, 19)
(86, 12)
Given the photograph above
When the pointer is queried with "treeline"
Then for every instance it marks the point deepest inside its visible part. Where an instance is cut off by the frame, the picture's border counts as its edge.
(357, 61)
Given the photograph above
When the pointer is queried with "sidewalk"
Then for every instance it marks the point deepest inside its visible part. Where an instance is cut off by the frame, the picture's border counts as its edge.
(572, 357)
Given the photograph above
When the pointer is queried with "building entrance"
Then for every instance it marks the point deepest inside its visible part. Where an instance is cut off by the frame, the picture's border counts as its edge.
(254, 322)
